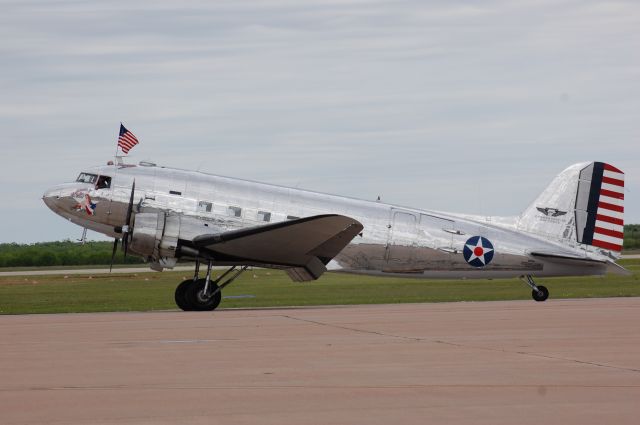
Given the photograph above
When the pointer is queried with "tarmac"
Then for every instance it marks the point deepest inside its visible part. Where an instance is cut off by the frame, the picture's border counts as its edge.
(517, 362)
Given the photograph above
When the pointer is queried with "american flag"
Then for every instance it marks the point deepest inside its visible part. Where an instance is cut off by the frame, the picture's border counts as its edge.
(126, 140)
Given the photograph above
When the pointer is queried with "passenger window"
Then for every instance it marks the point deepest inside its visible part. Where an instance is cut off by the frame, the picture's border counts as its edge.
(104, 182)
(292, 217)
(264, 216)
(204, 206)
(234, 211)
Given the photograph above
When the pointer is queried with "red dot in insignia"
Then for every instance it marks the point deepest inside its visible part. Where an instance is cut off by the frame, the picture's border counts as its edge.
(478, 251)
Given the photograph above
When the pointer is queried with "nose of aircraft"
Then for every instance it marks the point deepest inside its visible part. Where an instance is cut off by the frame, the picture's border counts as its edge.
(58, 196)
(51, 196)
(61, 198)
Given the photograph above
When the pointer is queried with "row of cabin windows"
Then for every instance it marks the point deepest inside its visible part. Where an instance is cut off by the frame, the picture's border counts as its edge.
(103, 182)
(232, 211)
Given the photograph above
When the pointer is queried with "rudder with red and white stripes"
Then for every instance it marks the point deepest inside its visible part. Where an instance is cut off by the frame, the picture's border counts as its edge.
(600, 206)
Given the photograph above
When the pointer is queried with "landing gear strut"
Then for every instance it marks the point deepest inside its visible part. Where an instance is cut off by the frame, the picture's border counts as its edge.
(204, 294)
(538, 292)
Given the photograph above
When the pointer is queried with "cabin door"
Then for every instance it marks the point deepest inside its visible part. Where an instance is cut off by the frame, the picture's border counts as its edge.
(402, 241)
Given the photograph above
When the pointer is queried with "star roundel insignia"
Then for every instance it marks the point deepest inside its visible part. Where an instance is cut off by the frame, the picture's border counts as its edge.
(478, 251)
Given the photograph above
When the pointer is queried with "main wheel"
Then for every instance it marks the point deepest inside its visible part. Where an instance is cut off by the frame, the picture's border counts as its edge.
(181, 296)
(541, 294)
(195, 296)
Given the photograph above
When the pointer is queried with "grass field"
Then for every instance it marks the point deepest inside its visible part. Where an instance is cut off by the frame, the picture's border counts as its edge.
(264, 288)
(76, 267)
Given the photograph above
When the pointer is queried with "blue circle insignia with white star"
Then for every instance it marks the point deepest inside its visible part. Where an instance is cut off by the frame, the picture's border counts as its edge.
(478, 251)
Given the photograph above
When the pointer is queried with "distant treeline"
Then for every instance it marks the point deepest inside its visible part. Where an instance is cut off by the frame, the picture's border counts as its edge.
(65, 253)
(632, 236)
(68, 253)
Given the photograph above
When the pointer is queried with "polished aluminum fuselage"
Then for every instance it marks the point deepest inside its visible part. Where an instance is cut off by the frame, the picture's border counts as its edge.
(396, 240)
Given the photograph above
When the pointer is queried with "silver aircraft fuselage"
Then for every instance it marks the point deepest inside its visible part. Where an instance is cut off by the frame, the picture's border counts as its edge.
(396, 240)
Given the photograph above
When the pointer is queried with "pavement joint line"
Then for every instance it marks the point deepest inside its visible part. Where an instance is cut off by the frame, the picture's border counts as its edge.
(454, 344)
(585, 362)
(310, 387)
(315, 322)
(545, 356)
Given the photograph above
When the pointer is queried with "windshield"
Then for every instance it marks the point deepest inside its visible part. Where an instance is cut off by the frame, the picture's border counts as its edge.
(104, 182)
(87, 178)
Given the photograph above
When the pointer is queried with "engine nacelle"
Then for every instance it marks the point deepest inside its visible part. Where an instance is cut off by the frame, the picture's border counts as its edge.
(155, 237)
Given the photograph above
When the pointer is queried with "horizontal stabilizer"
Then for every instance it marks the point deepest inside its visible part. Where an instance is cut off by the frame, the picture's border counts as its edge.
(557, 256)
(615, 268)
(612, 266)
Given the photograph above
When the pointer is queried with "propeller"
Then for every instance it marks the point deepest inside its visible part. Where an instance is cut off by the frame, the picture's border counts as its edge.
(113, 253)
(126, 229)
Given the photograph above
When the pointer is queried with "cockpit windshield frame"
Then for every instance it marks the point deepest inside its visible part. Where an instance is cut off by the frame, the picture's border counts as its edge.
(87, 178)
(100, 181)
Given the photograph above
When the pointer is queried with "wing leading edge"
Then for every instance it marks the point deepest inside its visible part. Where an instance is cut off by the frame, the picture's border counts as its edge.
(303, 246)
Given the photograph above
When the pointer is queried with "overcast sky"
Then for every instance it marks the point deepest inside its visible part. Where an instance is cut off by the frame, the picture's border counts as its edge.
(456, 106)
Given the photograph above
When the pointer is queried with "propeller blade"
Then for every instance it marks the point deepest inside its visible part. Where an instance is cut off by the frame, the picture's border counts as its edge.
(130, 208)
(113, 253)
(127, 226)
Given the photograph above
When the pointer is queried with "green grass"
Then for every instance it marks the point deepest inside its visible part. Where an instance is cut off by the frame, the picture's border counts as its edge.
(154, 291)
(75, 267)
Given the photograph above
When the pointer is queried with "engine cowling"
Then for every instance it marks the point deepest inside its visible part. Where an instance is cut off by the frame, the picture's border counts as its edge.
(155, 237)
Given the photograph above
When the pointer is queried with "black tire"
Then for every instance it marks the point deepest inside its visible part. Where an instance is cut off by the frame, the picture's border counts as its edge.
(181, 296)
(195, 299)
(541, 295)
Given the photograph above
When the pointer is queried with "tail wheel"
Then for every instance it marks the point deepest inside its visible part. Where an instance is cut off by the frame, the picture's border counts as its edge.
(196, 297)
(541, 294)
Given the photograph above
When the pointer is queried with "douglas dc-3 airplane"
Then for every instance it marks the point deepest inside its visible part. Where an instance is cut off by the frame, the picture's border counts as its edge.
(575, 227)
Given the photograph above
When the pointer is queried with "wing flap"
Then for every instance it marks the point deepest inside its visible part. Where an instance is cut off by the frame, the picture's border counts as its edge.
(306, 245)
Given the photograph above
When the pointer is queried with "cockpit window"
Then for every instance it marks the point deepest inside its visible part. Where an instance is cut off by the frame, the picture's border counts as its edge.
(87, 178)
(104, 182)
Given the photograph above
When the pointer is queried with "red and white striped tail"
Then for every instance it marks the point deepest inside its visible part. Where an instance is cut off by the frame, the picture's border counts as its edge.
(609, 224)
(600, 206)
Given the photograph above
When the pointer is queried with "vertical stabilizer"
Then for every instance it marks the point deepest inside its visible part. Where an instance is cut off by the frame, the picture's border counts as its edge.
(584, 204)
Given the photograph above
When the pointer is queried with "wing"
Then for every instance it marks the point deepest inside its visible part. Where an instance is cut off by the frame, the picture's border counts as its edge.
(303, 246)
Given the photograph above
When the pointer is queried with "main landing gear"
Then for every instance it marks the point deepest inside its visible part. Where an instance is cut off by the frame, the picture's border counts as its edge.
(204, 294)
(538, 292)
